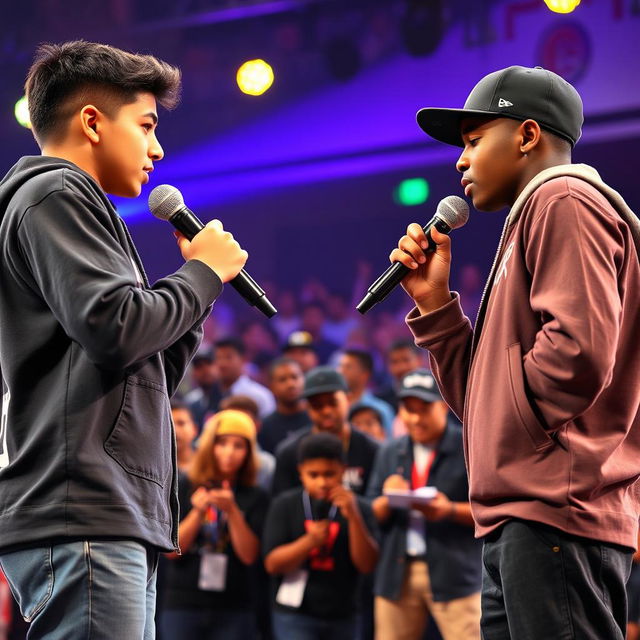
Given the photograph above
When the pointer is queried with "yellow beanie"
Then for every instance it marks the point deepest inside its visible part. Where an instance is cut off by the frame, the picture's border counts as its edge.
(232, 422)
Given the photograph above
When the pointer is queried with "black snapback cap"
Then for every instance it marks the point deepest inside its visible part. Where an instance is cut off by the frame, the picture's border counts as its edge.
(521, 93)
(323, 380)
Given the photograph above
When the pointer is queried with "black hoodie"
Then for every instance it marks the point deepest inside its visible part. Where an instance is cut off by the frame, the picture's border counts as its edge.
(89, 356)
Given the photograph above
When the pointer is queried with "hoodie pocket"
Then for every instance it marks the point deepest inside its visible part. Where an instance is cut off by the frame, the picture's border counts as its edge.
(140, 441)
(538, 434)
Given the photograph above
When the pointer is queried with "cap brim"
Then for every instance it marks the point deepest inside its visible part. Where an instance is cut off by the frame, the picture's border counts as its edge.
(427, 396)
(316, 391)
(444, 124)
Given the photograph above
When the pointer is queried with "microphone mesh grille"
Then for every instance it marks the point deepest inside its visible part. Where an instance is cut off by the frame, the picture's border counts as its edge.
(454, 211)
(164, 201)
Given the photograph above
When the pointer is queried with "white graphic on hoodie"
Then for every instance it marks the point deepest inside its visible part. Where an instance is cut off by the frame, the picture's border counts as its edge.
(502, 271)
(4, 454)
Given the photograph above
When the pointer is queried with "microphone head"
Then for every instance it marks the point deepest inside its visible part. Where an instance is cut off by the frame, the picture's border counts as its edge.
(165, 200)
(453, 210)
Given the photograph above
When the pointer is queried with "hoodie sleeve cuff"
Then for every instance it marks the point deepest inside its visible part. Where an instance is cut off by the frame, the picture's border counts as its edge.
(438, 325)
(204, 280)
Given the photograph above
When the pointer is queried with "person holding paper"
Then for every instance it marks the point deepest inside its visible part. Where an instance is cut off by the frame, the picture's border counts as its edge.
(317, 540)
(430, 563)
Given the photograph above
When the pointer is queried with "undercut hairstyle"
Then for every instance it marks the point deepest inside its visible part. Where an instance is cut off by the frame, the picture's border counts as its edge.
(321, 445)
(65, 77)
(232, 343)
(363, 357)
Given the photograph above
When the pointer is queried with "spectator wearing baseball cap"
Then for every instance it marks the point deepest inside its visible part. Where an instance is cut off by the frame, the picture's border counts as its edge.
(430, 563)
(299, 346)
(549, 394)
(326, 393)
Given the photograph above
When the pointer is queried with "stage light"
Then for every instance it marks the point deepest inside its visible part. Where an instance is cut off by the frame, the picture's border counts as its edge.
(562, 6)
(411, 192)
(21, 111)
(254, 77)
(422, 26)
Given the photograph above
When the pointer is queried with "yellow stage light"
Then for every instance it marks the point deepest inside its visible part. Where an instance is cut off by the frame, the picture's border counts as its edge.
(562, 6)
(254, 77)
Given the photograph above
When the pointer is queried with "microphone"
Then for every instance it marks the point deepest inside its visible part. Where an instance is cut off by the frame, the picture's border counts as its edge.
(166, 202)
(452, 212)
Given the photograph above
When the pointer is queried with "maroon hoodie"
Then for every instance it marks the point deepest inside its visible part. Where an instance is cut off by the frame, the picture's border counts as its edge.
(548, 387)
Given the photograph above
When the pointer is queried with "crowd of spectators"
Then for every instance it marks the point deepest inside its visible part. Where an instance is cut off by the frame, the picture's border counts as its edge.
(296, 442)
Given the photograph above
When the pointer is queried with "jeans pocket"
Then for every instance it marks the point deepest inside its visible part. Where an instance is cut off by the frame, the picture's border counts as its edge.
(30, 576)
(547, 535)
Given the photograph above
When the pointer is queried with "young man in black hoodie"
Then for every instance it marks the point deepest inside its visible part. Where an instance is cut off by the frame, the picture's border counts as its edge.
(90, 352)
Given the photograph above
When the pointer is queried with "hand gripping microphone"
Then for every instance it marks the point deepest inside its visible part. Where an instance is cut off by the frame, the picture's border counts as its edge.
(452, 212)
(167, 203)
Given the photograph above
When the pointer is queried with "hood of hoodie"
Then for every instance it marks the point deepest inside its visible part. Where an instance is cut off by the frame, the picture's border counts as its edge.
(30, 167)
(588, 174)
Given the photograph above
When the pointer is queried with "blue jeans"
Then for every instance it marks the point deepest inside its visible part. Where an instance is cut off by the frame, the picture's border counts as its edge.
(179, 624)
(102, 590)
(539, 582)
(296, 626)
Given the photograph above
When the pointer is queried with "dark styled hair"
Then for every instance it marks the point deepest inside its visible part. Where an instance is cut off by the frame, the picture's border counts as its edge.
(281, 362)
(363, 357)
(64, 77)
(232, 343)
(320, 445)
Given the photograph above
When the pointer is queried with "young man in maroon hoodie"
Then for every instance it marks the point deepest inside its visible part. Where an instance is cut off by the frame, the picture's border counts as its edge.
(548, 383)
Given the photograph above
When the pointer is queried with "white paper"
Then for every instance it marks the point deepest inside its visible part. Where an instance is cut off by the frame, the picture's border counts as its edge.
(291, 591)
(404, 498)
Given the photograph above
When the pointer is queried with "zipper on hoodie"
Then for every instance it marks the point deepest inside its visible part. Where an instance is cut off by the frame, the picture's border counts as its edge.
(477, 330)
(173, 498)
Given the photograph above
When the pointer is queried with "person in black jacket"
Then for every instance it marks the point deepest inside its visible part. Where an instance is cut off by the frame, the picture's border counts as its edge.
(90, 352)
(430, 562)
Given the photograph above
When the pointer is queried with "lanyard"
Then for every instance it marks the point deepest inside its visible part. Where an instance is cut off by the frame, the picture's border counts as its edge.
(215, 529)
(308, 514)
(420, 479)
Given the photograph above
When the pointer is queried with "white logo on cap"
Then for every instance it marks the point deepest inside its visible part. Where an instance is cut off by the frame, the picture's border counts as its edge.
(417, 380)
(504, 103)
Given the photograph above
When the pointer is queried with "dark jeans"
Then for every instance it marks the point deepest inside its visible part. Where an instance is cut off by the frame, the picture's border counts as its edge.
(185, 624)
(540, 583)
(297, 626)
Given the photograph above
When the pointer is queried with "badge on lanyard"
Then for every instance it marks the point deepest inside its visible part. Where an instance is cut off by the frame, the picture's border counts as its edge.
(213, 571)
(320, 558)
(213, 562)
(291, 590)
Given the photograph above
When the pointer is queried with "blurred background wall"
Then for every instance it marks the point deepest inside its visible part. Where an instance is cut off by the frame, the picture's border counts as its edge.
(311, 175)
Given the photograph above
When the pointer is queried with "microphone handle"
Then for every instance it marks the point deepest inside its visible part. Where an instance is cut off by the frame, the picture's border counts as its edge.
(394, 274)
(185, 221)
